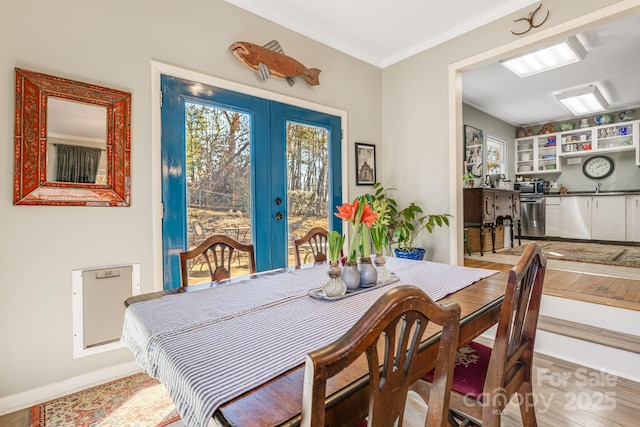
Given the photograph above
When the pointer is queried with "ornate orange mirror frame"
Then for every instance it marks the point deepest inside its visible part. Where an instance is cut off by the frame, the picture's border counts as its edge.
(31, 186)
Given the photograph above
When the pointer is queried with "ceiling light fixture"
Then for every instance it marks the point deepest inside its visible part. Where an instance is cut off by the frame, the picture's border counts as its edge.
(561, 54)
(583, 100)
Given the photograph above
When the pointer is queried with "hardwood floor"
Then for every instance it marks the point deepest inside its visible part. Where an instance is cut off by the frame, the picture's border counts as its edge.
(598, 288)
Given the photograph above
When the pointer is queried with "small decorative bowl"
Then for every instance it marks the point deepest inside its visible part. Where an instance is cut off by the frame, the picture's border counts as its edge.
(567, 126)
(627, 115)
(603, 119)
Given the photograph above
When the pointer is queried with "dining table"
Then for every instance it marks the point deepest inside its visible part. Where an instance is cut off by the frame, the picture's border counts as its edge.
(232, 353)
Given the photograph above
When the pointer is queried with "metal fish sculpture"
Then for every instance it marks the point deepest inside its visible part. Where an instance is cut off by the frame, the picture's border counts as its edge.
(270, 59)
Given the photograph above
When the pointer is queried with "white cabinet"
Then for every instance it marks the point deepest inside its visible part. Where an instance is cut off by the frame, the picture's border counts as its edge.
(540, 154)
(593, 218)
(575, 217)
(633, 218)
(620, 136)
(524, 155)
(552, 217)
(607, 218)
(579, 141)
(536, 154)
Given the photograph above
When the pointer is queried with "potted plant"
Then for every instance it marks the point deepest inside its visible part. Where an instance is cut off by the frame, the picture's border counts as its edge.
(467, 179)
(335, 242)
(387, 209)
(334, 286)
(409, 222)
(361, 218)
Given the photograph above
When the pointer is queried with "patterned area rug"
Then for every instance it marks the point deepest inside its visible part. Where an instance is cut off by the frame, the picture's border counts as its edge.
(134, 401)
(595, 253)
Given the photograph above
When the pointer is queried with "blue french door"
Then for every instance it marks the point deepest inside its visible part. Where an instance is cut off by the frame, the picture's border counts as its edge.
(257, 126)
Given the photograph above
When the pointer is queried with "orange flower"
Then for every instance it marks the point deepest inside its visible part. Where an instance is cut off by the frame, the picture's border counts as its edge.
(348, 211)
(368, 216)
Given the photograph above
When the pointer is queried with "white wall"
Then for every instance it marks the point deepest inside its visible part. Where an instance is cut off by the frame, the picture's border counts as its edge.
(112, 44)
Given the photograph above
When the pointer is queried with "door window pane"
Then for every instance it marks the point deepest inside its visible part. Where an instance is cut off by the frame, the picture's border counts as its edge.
(307, 183)
(218, 181)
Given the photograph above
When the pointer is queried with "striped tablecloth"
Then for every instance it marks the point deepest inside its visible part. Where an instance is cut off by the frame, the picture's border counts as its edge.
(210, 346)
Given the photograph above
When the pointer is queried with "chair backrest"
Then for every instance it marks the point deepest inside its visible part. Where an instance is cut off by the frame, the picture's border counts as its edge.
(197, 228)
(512, 354)
(316, 238)
(217, 251)
(389, 333)
(198, 231)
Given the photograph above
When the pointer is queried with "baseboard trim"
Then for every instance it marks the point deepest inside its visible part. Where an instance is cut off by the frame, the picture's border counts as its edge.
(607, 337)
(29, 398)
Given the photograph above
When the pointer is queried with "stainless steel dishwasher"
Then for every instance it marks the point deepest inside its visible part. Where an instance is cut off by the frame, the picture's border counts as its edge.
(532, 215)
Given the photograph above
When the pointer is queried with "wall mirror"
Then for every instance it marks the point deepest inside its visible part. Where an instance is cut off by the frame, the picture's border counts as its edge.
(72, 142)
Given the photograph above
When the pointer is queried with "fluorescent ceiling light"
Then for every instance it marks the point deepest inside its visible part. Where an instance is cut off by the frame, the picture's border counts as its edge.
(558, 55)
(584, 100)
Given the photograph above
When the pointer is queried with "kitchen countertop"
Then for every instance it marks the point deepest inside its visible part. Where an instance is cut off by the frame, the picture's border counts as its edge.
(593, 193)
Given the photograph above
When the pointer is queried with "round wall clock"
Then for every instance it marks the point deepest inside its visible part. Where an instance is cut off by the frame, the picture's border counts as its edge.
(598, 167)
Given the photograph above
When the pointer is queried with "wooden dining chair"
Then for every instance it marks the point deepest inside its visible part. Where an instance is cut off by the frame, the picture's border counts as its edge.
(198, 231)
(316, 239)
(217, 251)
(485, 379)
(389, 333)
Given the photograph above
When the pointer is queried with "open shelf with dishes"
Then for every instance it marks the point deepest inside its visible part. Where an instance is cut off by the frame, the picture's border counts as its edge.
(540, 154)
(547, 153)
(607, 138)
(576, 141)
(524, 154)
(537, 154)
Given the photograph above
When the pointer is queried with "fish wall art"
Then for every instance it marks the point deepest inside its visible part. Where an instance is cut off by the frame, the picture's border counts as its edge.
(270, 59)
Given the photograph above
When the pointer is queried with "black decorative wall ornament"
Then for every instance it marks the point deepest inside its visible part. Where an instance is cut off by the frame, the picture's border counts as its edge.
(529, 21)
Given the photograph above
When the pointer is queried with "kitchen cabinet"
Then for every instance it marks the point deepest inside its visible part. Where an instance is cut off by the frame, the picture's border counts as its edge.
(607, 218)
(540, 154)
(613, 137)
(575, 217)
(552, 216)
(536, 154)
(633, 218)
(593, 217)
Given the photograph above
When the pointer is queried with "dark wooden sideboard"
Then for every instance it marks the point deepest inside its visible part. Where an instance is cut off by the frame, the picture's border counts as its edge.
(488, 207)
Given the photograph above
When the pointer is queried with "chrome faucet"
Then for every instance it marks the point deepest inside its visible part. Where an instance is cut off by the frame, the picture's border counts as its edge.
(598, 185)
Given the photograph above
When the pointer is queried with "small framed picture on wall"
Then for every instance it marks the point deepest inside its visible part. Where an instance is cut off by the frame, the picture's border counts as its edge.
(365, 164)
(473, 140)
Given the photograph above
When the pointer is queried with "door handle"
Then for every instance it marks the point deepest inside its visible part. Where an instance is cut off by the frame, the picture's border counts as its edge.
(279, 216)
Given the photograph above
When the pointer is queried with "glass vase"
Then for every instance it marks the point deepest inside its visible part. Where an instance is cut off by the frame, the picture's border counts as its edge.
(368, 273)
(351, 276)
(384, 275)
(334, 286)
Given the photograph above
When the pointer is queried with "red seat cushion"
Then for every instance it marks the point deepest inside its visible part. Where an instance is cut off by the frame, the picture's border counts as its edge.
(472, 363)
